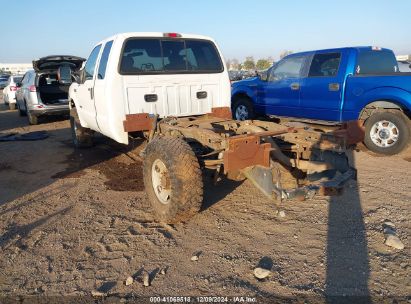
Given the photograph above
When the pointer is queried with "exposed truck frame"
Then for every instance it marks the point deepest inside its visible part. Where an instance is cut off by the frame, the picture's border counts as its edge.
(145, 84)
(282, 162)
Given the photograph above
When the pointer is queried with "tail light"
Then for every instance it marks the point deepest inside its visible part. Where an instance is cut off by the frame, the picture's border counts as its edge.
(172, 35)
(13, 89)
(32, 88)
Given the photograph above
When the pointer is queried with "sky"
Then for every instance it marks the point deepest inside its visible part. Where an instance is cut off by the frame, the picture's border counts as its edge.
(259, 28)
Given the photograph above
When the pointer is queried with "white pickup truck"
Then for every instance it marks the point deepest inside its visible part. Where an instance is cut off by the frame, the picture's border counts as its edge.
(174, 90)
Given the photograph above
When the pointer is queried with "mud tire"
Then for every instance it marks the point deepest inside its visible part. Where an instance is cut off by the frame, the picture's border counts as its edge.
(184, 177)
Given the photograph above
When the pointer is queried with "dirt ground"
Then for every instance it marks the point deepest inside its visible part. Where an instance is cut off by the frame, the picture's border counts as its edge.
(75, 223)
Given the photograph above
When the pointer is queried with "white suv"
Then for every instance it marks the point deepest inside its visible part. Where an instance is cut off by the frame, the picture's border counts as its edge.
(44, 90)
(165, 74)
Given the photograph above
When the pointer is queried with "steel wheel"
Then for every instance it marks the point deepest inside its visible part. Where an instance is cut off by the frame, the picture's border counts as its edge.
(161, 181)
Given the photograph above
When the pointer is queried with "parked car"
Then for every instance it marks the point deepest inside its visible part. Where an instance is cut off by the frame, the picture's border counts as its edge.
(174, 90)
(3, 81)
(404, 66)
(44, 90)
(235, 75)
(9, 92)
(335, 85)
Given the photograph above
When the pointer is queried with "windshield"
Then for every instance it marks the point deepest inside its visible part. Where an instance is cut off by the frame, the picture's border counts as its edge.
(153, 56)
(17, 79)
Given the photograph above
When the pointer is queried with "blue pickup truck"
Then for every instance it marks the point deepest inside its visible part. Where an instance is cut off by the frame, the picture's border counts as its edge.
(334, 86)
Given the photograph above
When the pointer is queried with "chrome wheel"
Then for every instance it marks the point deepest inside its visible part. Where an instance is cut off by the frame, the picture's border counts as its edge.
(161, 181)
(384, 134)
(241, 113)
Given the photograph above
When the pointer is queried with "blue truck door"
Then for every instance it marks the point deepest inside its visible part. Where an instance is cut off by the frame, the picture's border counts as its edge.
(322, 89)
(281, 92)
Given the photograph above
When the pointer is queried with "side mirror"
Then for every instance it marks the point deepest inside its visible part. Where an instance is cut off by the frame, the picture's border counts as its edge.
(263, 75)
(81, 76)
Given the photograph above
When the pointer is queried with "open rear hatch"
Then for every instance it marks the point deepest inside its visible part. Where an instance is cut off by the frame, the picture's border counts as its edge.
(52, 89)
(53, 62)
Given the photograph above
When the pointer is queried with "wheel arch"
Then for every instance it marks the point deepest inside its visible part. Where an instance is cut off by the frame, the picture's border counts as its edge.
(385, 104)
(72, 105)
(239, 95)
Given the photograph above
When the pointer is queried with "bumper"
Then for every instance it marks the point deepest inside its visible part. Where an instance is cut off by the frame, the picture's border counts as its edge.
(50, 110)
(10, 97)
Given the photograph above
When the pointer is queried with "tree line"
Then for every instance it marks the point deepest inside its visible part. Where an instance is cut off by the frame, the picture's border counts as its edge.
(251, 64)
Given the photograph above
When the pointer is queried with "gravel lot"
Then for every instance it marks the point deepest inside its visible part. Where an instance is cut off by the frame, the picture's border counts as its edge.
(78, 222)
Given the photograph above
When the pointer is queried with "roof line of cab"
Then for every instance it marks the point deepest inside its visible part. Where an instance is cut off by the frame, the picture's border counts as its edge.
(155, 35)
(357, 48)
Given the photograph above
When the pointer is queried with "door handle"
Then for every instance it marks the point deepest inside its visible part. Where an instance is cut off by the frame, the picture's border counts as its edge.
(150, 97)
(91, 93)
(333, 87)
(201, 95)
(295, 86)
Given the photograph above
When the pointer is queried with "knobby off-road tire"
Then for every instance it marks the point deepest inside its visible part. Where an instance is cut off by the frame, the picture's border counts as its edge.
(82, 137)
(387, 132)
(243, 109)
(181, 182)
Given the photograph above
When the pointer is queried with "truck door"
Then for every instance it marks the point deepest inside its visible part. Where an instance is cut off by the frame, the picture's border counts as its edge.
(86, 90)
(280, 94)
(322, 89)
(100, 93)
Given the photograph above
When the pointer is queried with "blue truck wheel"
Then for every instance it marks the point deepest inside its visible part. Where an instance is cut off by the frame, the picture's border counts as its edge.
(387, 132)
(243, 109)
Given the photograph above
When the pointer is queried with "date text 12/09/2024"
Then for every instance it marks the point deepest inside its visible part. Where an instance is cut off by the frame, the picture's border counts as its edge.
(203, 299)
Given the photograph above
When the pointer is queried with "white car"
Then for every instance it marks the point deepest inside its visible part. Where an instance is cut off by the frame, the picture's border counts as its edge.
(404, 66)
(9, 92)
(168, 74)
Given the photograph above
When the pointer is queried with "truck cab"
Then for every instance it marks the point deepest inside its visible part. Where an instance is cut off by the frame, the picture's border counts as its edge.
(334, 86)
(130, 76)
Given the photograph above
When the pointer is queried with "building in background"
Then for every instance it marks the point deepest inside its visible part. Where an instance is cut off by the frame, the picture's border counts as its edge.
(15, 68)
(403, 58)
(404, 63)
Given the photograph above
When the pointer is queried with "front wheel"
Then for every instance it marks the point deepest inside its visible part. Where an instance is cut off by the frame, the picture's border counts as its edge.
(243, 109)
(172, 179)
(82, 137)
(387, 132)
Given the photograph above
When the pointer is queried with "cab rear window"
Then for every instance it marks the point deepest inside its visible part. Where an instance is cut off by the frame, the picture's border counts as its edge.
(157, 56)
(376, 62)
